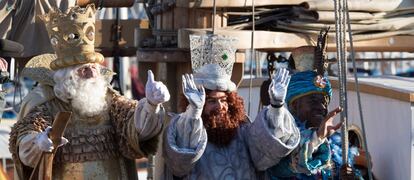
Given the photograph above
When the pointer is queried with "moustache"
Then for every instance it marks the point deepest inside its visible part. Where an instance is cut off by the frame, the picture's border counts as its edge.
(218, 112)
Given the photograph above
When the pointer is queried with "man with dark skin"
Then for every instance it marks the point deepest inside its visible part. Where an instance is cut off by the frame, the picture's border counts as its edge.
(308, 97)
(314, 108)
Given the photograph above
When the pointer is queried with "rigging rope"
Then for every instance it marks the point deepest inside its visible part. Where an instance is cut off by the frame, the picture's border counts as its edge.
(252, 54)
(342, 23)
(17, 88)
(214, 15)
(351, 44)
(341, 56)
(345, 143)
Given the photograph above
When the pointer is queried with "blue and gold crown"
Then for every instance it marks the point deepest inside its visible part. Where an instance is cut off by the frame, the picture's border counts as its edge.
(309, 75)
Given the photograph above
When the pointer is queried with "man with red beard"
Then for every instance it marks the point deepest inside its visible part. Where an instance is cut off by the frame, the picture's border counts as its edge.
(106, 132)
(214, 138)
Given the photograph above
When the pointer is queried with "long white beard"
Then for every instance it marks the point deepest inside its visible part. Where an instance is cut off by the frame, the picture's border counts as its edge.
(90, 97)
(87, 96)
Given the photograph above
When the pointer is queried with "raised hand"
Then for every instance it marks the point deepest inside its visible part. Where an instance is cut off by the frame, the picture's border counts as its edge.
(44, 143)
(155, 91)
(327, 127)
(195, 96)
(278, 87)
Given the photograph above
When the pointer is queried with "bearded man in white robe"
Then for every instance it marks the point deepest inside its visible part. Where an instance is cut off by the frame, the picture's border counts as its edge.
(106, 132)
(213, 138)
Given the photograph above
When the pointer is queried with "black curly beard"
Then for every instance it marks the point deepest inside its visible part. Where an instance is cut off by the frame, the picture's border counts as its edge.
(221, 130)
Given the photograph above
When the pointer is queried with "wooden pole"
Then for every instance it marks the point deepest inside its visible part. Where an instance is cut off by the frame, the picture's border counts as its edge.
(44, 167)
(106, 3)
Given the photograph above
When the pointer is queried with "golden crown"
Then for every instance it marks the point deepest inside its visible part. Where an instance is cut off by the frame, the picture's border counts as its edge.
(72, 36)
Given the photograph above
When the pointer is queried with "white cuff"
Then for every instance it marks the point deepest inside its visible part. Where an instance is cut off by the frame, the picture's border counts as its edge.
(277, 103)
(316, 141)
(148, 107)
(193, 112)
(29, 152)
(273, 111)
(280, 122)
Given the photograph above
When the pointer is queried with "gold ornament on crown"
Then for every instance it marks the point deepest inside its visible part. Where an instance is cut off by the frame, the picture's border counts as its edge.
(72, 36)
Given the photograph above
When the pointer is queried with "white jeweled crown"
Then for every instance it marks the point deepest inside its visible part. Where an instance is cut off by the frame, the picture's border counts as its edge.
(212, 59)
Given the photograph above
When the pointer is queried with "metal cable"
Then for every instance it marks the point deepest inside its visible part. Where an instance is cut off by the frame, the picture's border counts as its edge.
(351, 44)
(214, 16)
(15, 84)
(17, 87)
(345, 140)
(252, 54)
(341, 50)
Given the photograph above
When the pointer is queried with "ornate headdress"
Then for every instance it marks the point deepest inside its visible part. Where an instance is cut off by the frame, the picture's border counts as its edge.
(72, 36)
(212, 59)
(310, 67)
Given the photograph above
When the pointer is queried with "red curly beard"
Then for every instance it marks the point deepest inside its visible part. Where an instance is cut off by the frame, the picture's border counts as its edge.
(221, 130)
(222, 125)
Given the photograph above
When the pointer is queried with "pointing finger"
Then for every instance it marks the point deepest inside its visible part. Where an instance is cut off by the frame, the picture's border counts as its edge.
(188, 81)
(337, 126)
(334, 112)
(192, 81)
(202, 90)
(150, 77)
(283, 76)
(184, 83)
(287, 80)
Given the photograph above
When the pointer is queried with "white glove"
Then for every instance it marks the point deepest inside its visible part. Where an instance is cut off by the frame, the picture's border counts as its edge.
(155, 91)
(45, 143)
(195, 96)
(278, 87)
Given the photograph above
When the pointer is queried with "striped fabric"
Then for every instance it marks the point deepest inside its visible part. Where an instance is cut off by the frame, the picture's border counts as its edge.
(302, 83)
